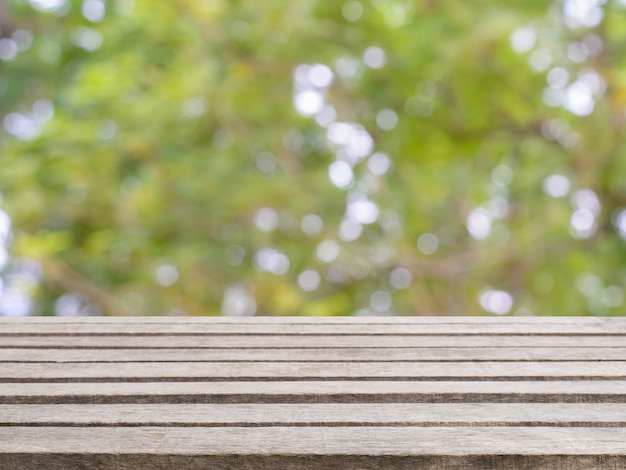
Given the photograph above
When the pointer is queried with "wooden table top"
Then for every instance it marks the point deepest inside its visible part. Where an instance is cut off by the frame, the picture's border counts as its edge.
(312, 393)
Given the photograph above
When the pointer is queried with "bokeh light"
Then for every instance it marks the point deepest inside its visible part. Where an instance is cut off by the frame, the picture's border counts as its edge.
(366, 158)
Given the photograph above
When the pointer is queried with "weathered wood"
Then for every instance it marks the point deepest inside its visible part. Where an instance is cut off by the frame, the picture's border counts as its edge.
(310, 354)
(198, 461)
(207, 371)
(350, 414)
(383, 440)
(354, 328)
(354, 391)
(308, 341)
(308, 393)
(164, 320)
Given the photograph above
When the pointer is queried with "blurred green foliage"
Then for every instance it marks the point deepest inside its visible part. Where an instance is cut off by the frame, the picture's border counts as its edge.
(313, 157)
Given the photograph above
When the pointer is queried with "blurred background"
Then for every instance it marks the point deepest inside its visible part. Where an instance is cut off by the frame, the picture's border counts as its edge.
(314, 157)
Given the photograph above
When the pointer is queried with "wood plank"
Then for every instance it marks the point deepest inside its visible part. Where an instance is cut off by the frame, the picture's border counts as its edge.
(310, 354)
(102, 461)
(605, 391)
(389, 414)
(207, 371)
(300, 393)
(614, 327)
(290, 440)
(310, 341)
(440, 401)
(561, 320)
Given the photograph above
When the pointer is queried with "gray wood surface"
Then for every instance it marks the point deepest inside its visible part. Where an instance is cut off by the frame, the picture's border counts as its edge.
(617, 327)
(313, 393)
(310, 354)
(353, 391)
(181, 371)
(561, 320)
(354, 414)
(308, 341)
(337, 440)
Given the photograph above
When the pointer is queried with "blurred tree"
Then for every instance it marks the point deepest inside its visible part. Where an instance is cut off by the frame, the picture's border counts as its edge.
(313, 157)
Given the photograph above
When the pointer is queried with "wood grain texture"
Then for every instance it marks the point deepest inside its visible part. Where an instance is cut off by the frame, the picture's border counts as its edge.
(63, 461)
(309, 354)
(313, 393)
(314, 441)
(207, 371)
(309, 341)
(616, 327)
(586, 391)
(560, 320)
(349, 414)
